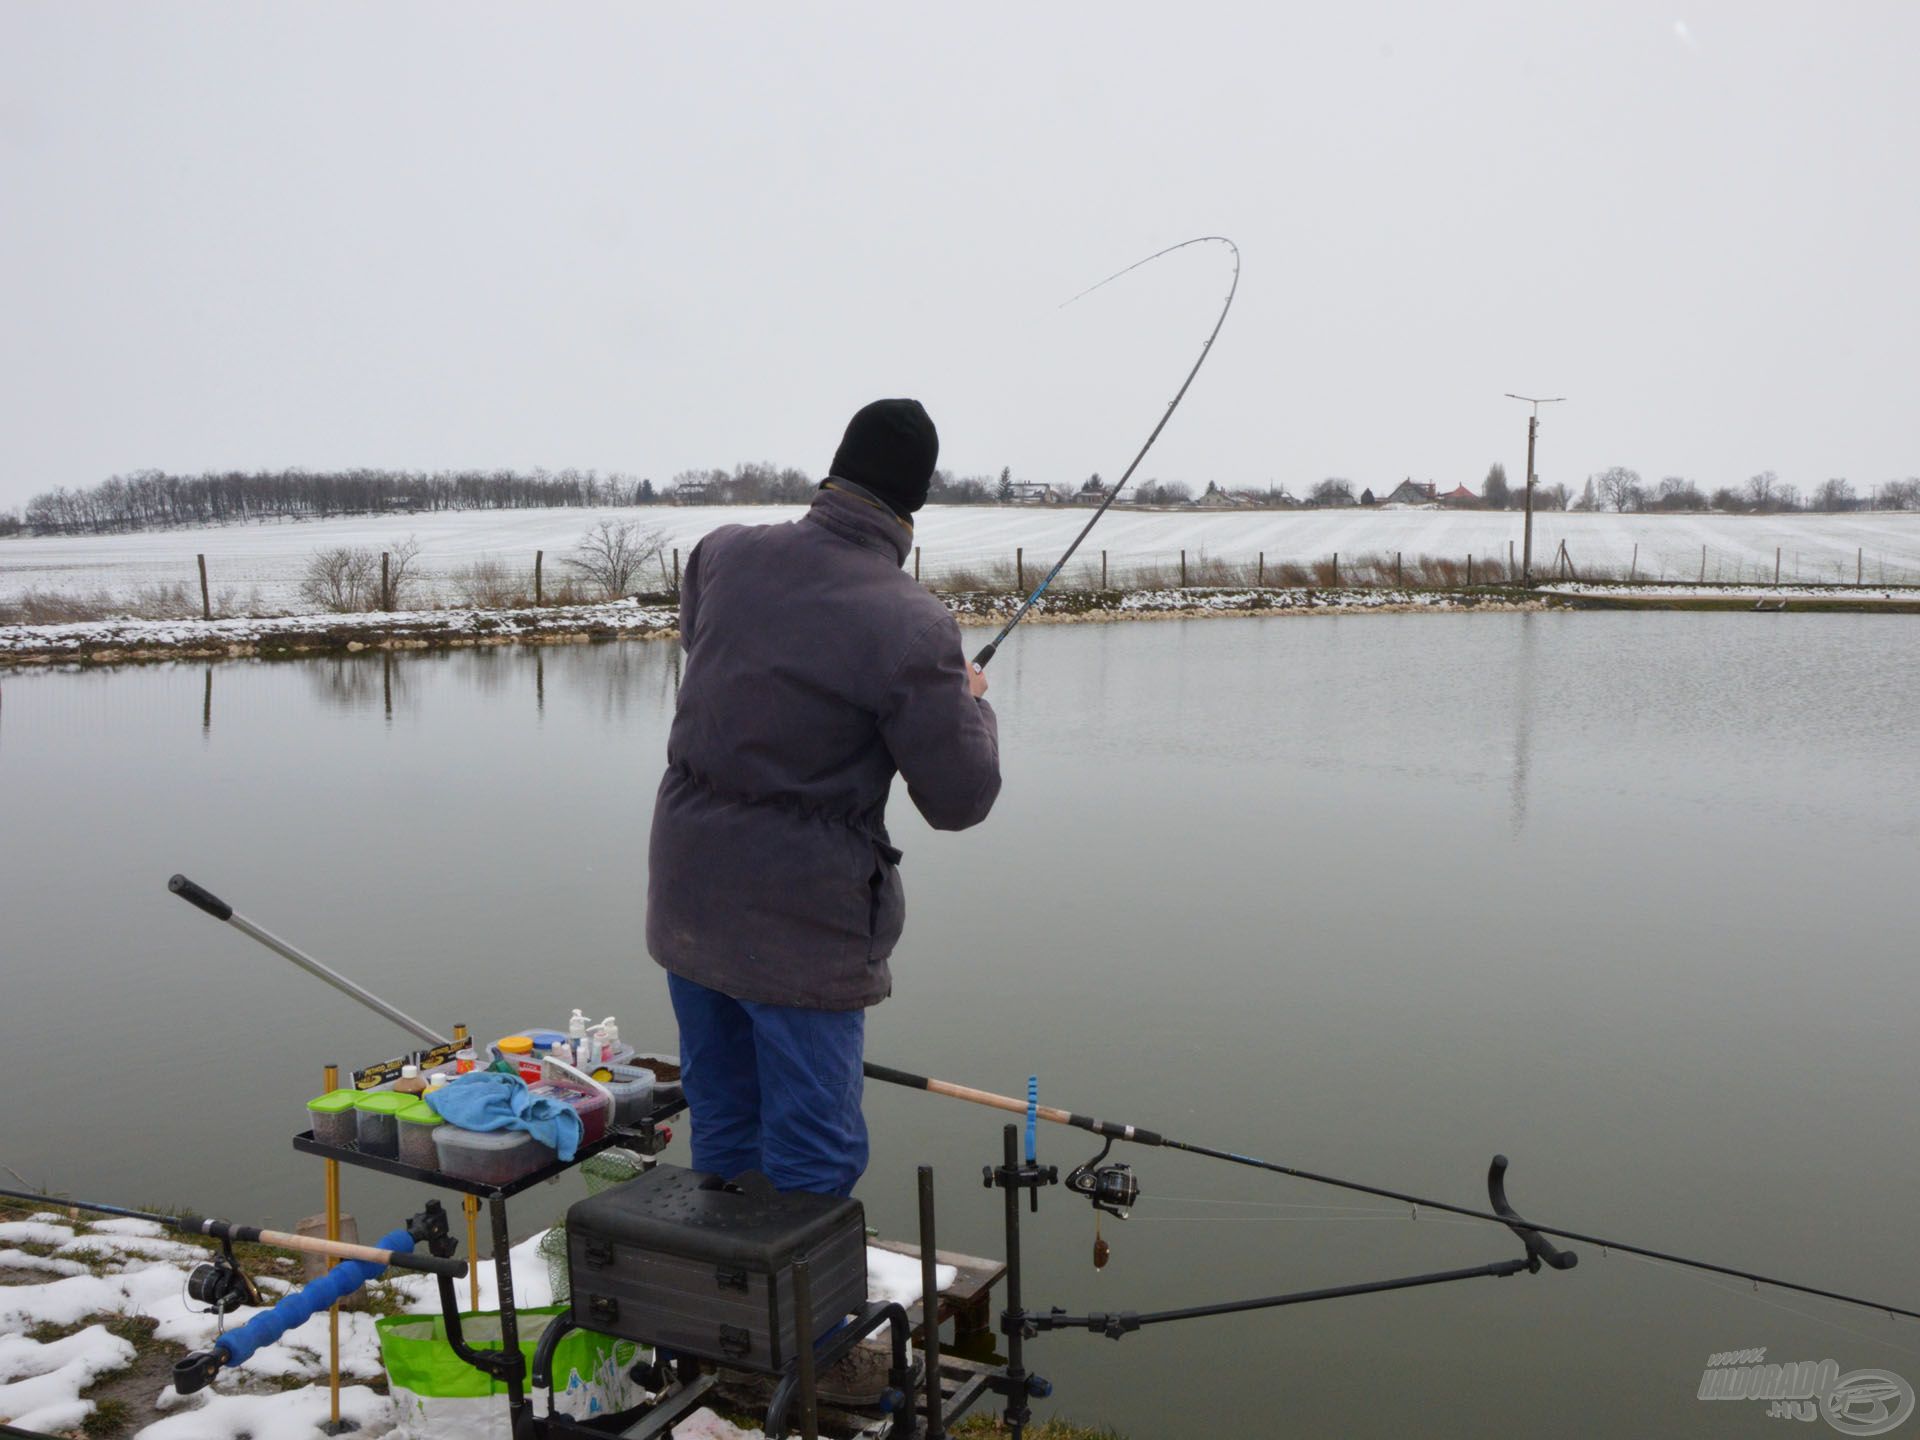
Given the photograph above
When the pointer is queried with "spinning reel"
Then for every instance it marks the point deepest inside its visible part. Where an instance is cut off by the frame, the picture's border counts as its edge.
(1113, 1188)
(220, 1284)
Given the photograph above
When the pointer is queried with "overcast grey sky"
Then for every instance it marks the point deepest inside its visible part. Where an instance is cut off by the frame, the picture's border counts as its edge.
(646, 237)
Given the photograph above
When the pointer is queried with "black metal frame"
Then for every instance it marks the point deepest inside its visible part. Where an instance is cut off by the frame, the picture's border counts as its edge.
(502, 1364)
(1016, 1386)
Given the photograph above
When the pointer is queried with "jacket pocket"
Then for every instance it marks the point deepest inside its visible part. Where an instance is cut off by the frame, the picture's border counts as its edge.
(886, 907)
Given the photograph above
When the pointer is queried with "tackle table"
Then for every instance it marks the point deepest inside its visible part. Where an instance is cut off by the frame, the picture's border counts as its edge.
(647, 1138)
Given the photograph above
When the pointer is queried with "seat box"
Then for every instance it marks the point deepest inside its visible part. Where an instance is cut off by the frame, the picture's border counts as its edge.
(704, 1267)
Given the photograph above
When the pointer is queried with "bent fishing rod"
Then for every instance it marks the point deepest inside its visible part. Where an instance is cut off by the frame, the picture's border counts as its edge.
(986, 654)
(1139, 1135)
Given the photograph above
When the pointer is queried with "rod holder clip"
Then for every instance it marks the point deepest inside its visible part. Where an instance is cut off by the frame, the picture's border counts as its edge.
(431, 1229)
(1539, 1248)
(1031, 1177)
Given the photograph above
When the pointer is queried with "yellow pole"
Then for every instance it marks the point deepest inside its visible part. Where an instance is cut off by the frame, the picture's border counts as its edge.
(332, 1082)
(470, 1204)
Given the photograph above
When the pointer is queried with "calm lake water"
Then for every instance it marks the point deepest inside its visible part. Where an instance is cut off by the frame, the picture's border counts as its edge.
(1630, 898)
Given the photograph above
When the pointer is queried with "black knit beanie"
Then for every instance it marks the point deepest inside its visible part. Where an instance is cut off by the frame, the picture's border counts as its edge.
(890, 448)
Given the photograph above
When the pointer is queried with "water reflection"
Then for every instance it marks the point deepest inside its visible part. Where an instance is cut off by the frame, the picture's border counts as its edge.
(1523, 687)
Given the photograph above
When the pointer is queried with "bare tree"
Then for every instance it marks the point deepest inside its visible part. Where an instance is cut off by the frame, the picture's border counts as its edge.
(343, 579)
(1552, 497)
(1331, 491)
(1620, 488)
(402, 573)
(1835, 494)
(611, 555)
(1761, 490)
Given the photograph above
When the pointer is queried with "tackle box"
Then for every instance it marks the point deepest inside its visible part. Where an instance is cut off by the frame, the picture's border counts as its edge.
(375, 1128)
(334, 1117)
(704, 1267)
(418, 1121)
(594, 1107)
(489, 1157)
(632, 1090)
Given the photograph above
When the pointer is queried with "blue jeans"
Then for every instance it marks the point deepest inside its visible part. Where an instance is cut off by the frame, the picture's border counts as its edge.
(772, 1088)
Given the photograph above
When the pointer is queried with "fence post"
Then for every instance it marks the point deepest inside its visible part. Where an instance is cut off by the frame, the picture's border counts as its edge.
(1859, 563)
(1703, 564)
(539, 598)
(1103, 569)
(1509, 562)
(386, 583)
(1396, 567)
(1020, 569)
(916, 562)
(206, 604)
(676, 569)
(1469, 569)
(1634, 568)
(1776, 564)
(1183, 569)
(1260, 572)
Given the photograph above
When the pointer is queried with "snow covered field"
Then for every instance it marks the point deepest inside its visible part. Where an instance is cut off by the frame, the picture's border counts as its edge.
(269, 557)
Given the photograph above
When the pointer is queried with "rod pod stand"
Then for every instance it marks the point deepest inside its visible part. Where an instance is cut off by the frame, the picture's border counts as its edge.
(1013, 1383)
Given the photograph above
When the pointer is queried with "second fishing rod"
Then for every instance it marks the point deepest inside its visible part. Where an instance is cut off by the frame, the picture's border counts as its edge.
(1141, 1135)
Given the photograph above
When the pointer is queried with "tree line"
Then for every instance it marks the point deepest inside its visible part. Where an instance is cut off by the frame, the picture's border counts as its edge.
(154, 500)
(1622, 490)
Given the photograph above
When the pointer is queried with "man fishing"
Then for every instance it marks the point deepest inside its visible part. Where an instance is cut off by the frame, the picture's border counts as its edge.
(816, 670)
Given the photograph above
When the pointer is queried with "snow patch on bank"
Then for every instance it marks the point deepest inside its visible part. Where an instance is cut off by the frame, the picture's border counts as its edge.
(130, 637)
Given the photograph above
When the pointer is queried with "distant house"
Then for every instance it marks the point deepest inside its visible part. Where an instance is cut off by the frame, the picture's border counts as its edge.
(1461, 498)
(1413, 492)
(1034, 492)
(1274, 497)
(1218, 499)
(690, 492)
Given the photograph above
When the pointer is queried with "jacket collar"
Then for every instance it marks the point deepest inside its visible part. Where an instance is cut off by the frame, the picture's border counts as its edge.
(852, 513)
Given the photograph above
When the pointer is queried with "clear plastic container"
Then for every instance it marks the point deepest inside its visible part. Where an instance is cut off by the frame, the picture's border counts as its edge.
(666, 1076)
(332, 1116)
(591, 1106)
(417, 1123)
(489, 1157)
(632, 1090)
(376, 1129)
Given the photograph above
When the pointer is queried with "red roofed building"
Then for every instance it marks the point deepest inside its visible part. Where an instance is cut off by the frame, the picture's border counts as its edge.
(1460, 495)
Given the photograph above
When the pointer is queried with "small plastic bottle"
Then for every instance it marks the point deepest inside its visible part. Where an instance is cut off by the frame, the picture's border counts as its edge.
(410, 1082)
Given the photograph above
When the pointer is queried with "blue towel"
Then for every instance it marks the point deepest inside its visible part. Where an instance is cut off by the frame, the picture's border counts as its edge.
(488, 1100)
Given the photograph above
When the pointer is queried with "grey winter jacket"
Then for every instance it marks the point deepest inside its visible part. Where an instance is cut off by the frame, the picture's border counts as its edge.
(816, 669)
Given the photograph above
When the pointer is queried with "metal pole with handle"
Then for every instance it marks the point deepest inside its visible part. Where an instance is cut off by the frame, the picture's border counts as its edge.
(203, 899)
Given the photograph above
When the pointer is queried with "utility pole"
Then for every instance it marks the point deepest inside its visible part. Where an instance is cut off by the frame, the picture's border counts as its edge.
(1533, 429)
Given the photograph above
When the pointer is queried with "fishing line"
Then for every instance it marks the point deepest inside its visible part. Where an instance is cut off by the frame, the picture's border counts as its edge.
(992, 645)
(1717, 1283)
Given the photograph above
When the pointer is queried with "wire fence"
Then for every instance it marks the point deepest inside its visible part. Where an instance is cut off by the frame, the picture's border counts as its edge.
(524, 581)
